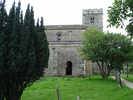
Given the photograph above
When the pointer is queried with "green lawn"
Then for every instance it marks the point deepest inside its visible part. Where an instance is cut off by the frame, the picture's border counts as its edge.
(129, 78)
(70, 88)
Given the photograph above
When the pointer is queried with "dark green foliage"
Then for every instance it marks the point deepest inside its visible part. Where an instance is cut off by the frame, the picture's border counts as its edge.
(109, 51)
(119, 12)
(24, 51)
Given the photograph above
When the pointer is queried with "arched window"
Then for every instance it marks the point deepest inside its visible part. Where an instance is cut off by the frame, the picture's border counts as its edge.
(58, 34)
(92, 20)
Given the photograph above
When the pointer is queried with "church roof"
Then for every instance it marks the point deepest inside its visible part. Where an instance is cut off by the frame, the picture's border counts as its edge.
(65, 27)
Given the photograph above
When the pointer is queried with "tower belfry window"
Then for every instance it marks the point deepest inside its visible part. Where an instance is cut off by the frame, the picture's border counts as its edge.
(92, 20)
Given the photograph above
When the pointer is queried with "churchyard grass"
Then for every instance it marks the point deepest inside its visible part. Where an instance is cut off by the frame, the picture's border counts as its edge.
(70, 88)
(129, 78)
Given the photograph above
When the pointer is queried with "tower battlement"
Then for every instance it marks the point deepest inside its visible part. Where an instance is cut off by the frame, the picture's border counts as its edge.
(93, 17)
(92, 11)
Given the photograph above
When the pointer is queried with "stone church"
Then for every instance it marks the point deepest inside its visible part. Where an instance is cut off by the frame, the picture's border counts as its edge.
(64, 41)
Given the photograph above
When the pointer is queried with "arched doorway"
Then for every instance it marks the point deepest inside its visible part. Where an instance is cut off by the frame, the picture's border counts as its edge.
(68, 68)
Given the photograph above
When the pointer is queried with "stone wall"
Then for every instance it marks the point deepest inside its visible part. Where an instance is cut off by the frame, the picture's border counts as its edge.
(59, 55)
(63, 33)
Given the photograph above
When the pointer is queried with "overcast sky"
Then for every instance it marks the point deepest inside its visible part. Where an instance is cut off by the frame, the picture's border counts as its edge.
(65, 12)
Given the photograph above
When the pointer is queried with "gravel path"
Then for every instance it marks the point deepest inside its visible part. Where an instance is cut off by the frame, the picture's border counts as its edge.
(127, 83)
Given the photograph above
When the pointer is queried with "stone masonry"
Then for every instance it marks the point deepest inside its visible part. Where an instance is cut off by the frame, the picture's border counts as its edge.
(64, 41)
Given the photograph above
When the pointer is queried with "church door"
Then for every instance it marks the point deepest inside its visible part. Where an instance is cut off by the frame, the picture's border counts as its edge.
(69, 68)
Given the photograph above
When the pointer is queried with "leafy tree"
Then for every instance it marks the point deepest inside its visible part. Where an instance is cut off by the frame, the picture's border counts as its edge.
(120, 52)
(109, 51)
(119, 12)
(23, 52)
(91, 49)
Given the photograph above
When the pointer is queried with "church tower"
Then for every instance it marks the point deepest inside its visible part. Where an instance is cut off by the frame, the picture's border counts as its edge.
(93, 17)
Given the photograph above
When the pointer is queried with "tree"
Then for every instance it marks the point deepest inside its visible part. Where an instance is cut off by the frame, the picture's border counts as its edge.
(109, 51)
(91, 49)
(120, 52)
(24, 51)
(119, 12)
(3, 21)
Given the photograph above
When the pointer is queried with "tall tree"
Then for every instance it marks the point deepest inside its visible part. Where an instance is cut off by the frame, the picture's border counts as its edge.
(3, 23)
(22, 52)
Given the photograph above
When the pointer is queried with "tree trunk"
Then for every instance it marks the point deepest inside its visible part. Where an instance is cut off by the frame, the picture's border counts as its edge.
(120, 83)
(1, 97)
(104, 76)
(14, 94)
(103, 70)
(127, 70)
(13, 98)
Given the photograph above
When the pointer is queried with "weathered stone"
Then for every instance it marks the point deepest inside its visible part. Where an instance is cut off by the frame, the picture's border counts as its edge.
(64, 41)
